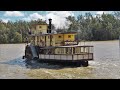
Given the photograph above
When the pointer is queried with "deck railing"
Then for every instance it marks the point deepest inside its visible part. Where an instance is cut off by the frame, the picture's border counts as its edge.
(68, 57)
(75, 53)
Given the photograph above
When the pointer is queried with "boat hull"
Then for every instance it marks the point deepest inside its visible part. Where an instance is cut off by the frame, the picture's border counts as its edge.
(83, 63)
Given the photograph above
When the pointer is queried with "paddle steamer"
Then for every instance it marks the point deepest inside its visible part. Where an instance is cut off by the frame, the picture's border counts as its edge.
(61, 48)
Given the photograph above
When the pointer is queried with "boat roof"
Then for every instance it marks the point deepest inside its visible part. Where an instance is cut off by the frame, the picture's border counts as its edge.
(50, 47)
(52, 34)
(76, 46)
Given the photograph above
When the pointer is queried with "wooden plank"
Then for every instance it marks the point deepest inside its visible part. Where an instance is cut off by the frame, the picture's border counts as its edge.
(42, 56)
(69, 57)
(57, 57)
(46, 56)
(75, 57)
(80, 56)
(63, 57)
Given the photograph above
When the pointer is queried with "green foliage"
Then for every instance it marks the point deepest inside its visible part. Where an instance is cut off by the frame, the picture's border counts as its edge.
(17, 37)
(101, 27)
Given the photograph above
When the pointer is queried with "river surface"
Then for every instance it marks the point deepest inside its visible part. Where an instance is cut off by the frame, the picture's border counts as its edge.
(106, 64)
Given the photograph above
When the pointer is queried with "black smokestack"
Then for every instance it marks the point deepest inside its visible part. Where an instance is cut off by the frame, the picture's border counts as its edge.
(50, 20)
(50, 25)
(49, 30)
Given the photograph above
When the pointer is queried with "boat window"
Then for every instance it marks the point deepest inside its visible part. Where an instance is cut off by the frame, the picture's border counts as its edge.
(40, 26)
(77, 50)
(86, 49)
(59, 36)
(69, 50)
(82, 50)
(62, 50)
(69, 36)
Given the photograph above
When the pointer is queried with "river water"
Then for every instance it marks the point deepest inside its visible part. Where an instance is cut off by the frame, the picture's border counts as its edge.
(106, 64)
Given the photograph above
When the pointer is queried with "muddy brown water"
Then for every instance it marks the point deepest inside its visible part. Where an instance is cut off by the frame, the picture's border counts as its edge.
(106, 64)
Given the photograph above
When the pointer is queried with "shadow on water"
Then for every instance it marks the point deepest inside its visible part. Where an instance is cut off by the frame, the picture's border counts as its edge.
(34, 64)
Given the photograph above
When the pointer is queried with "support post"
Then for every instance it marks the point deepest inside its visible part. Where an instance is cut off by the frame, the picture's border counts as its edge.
(119, 41)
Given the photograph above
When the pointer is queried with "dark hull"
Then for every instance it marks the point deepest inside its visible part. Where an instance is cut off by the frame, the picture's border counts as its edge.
(65, 62)
(77, 63)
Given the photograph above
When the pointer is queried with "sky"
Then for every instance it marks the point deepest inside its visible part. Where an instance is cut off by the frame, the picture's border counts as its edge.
(58, 17)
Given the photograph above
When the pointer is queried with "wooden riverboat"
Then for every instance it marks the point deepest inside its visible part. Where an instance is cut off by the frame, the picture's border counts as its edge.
(60, 48)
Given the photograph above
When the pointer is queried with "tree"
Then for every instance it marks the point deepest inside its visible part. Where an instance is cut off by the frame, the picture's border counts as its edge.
(18, 37)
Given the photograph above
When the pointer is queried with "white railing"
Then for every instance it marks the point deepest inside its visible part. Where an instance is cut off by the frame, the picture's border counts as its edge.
(68, 57)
